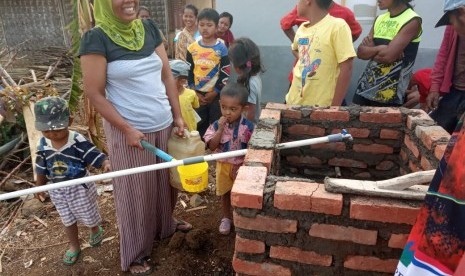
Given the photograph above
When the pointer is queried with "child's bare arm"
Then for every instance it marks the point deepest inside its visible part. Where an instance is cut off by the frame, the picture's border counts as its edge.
(106, 166)
(41, 180)
(215, 142)
(343, 81)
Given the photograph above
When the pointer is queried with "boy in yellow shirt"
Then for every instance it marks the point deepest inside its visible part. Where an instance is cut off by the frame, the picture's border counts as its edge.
(188, 99)
(324, 49)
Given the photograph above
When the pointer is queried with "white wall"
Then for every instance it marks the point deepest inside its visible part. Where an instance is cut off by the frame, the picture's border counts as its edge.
(259, 20)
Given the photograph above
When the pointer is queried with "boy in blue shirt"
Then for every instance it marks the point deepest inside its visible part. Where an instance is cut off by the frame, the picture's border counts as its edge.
(64, 155)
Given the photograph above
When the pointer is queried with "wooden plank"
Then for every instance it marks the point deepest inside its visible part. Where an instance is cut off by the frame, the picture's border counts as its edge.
(32, 134)
(370, 188)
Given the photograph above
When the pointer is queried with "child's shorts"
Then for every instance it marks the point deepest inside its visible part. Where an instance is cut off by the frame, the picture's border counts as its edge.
(77, 203)
(225, 176)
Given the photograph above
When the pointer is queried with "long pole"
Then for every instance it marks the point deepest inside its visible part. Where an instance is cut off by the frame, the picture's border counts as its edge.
(170, 164)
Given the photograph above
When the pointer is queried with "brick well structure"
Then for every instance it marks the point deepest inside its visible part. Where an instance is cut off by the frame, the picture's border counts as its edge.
(287, 224)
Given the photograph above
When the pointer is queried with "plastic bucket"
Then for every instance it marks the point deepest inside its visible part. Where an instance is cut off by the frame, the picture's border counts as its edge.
(194, 177)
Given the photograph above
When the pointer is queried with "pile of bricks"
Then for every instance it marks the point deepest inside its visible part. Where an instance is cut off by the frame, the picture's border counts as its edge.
(292, 226)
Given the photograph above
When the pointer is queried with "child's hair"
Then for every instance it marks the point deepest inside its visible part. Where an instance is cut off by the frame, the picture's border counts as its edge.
(192, 8)
(144, 8)
(324, 4)
(245, 55)
(209, 14)
(229, 16)
(406, 2)
(237, 91)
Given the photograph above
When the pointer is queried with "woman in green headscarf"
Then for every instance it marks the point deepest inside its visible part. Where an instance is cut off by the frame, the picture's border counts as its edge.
(128, 80)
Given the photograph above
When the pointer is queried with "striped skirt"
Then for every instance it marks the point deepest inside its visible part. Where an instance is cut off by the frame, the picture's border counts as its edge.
(145, 201)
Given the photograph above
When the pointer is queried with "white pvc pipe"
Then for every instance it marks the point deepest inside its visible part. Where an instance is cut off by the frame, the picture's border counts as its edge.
(154, 167)
(165, 165)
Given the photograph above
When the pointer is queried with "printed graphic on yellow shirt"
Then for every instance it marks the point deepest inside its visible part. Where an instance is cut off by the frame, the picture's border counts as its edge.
(310, 67)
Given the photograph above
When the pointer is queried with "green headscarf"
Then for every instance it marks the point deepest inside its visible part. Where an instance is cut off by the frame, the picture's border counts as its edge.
(128, 35)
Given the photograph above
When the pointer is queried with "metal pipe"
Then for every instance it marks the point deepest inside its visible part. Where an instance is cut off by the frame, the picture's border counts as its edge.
(170, 164)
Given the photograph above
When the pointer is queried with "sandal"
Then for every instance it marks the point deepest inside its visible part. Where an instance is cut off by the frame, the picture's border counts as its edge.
(145, 262)
(225, 226)
(183, 226)
(96, 239)
(71, 258)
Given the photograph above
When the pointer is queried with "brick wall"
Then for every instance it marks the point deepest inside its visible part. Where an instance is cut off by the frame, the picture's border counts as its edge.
(292, 226)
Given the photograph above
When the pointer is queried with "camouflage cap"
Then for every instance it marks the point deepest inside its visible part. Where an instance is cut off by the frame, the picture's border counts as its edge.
(52, 113)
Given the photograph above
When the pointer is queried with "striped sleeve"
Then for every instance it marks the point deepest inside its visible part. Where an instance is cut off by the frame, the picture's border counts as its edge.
(41, 163)
(91, 155)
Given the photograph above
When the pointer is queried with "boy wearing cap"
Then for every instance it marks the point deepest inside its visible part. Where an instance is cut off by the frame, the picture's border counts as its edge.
(188, 99)
(448, 75)
(64, 155)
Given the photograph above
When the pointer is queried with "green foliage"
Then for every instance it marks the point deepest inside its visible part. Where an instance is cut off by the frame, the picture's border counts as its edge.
(76, 89)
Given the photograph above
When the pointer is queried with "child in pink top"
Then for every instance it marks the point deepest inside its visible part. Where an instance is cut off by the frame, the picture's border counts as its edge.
(231, 132)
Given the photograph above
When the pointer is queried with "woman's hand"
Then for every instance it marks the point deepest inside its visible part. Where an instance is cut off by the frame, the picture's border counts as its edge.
(180, 125)
(133, 137)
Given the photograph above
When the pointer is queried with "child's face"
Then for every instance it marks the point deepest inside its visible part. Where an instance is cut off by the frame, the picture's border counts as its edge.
(56, 135)
(231, 108)
(207, 28)
(189, 18)
(143, 14)
(224, 25)
(180, 83)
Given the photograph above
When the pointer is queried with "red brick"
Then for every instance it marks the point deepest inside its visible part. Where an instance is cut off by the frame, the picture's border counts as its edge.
(367, 263)
(308, 160)
(278, 106)
(265, 224)
(270, 114)
(432, 135)
(355, 132)
(411, 146)
(389, 134)
(263, 157)
(381, 115)
(294, 254)
(300, 129)
(413, 167)
(247, 191)
(398, 240)
(292, 114)
(383, 210)
(439, 151)
(373, 148)
(425, 164)
(385, 166)
(419, 118)
(337, 146)
(350, 163)
(249, 246)
(363, 175)
(330, 114)
(403, 155)
(288, 111)
(343, 233)
(307, 197)
(259, 269)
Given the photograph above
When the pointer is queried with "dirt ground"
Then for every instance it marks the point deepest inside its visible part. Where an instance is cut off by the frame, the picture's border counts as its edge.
(30, 247)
